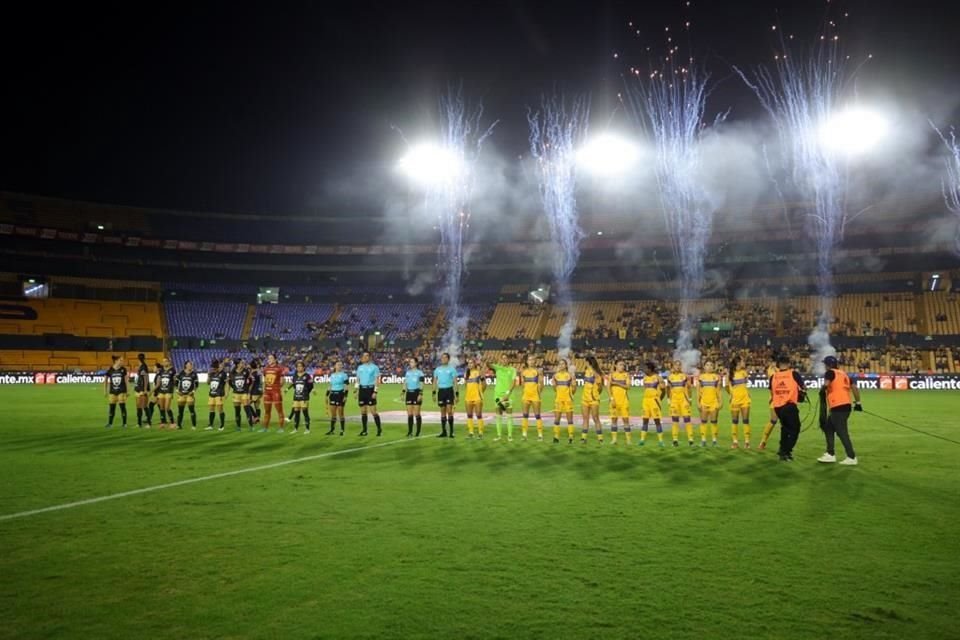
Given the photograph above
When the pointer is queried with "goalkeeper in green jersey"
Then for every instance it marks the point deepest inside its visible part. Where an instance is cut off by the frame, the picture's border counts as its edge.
(506, 380)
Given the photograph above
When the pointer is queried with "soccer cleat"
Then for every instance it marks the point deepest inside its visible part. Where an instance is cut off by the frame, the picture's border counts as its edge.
(363, 433)
(539, 438)
(850, 462)
(676, 443)
(736, 445)
(827, 457)
(109, 426)
(262, 430)
(746, 445)
(583, 441)
(341, 432)
(443, 434)
(556, 441)
(292, 431)
(469, 436)
(497, 439)
(703, 443)
(662, 445)
(220, 429)
(306, 432)
(642, 443)
(690, 442)
(510, 439)
(716, 444)
(330, 433)
(193, 428)
(569, 440)
(784, 458)
(763, 445)
(210, 428)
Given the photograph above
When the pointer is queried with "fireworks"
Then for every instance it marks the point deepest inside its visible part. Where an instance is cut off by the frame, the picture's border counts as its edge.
(802, 94)
(556, 131)
(669, 106)
(951, 181)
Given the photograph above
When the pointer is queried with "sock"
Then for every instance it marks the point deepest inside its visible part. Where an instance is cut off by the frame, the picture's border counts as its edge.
(250, 415)
(306, 418)
(212, 415)
(450, 422)
(470, 425)
(363, 423)
(703, 431)
(268, 410)
(629, 431)
(524, 426)
(767, 430)
(539, 427)
(443, 424)
(419, 423)
(643, 431)
(139, 417)
(675, 430)
(281, 415)
(343, 422)
(223, 418)
(292, 411)
(409, 425)
(333, 424)
(150, 412)
(180, 416)
(193, 414)
(734, 428)
(237, 415)
(746, 431)
(688, 428)
(613, 433)
(111, 412)
(556, 431)
(499, 426)
(296, 418)
(480, 426)
(510, 426)
(714, 430)
(570, 431)
(123, 414)
(376, 421)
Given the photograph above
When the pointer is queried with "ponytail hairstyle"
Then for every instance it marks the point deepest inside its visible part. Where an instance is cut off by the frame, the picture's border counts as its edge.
(592, 361)
(733, 366)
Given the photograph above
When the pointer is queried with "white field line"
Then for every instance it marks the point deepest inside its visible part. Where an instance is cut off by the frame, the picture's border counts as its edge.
(180, 483)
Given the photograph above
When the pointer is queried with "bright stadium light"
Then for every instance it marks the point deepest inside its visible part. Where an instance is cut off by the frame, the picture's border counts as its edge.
(430, 165)
(853, 131)
(608, 155)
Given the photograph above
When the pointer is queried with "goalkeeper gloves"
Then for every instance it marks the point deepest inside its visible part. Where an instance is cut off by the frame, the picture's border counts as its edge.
(857, 407)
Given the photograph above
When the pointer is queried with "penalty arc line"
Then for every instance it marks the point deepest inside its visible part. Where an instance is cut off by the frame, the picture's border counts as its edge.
(180, 483)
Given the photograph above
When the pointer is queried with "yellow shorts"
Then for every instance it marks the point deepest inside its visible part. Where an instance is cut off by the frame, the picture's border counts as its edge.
(530, 397)
(563, 406)
(118, 397)
(680, 408)
(240, 398)
(709, 407)
(474, 398)
(301, 404)
(620, 410)
(216, 401)
(164, 396)
(740, 406)
(651, 408)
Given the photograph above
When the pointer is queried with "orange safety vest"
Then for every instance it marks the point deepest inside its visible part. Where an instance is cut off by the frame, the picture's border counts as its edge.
(785, 389)
(838, 390)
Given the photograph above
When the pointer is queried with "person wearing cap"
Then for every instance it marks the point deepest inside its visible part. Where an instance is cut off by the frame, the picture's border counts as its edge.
(836, 392)
(786, 390)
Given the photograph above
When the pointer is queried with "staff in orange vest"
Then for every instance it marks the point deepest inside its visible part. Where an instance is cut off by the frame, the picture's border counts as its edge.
(786, 390)
(837, 391)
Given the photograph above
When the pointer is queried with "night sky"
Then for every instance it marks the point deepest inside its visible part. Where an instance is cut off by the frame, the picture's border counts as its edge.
(215, 106)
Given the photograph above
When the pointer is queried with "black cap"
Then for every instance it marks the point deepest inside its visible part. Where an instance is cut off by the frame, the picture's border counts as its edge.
(831, 361)
(784, 358)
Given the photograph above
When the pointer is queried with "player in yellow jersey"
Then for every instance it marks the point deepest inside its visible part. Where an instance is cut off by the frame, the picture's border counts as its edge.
(739, 402)
(709, 402)
(620, 400)
(476, 384)
(565, 386)
(767, 430)
(590, 399)
(679, 386)
(653, 392)
(532, 380)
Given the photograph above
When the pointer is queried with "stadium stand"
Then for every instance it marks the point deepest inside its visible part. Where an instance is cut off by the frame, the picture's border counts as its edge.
(290, 321)
(205, 319)
(86, 361)
(89, 318)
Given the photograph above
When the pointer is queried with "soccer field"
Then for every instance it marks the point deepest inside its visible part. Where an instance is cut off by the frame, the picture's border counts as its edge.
(431, 538)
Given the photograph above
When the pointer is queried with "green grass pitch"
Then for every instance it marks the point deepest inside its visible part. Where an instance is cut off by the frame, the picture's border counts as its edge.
(472, 539)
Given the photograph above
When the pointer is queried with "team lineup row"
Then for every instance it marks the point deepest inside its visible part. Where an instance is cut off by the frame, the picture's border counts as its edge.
(249, 385)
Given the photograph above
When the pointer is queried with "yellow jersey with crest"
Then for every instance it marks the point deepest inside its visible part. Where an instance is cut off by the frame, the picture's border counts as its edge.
(679, 402)
(709, 396)
(739, 393)
(530, 378)
(591, 388)
(619, 401)
(473, 386)
(563, 384)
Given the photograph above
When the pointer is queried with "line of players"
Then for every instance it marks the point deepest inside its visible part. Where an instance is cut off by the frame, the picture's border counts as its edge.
(250, 385)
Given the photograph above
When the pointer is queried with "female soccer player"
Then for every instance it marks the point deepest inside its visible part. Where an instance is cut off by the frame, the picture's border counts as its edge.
(444, 393)
(739, 402)
(679, 386)
(337, 397)
(115, 390)
(709, 402)
(141, 386)
(505, 380)
(256, 389)
(273, 375)
(620, 400)
(532, 379)
(413, 395)
(163, 383)
(217, 379)
(240, 388)
(653, 392)
(564, 388)
(302, 385)
(187, 382)
(473, 401)
(590, 400)
(768, 429)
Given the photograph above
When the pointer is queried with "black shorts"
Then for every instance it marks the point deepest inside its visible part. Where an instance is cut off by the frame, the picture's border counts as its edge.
(337, 398)
(414, 398)
(445, 397)
(366, 397)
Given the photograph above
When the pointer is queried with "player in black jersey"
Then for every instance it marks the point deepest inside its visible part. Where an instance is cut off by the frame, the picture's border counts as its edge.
(115, 389)
(141, 386)
(187, 383)
(256, 389)
(152, 397)
(302, 386)
(163, 383)
(240, 388)
(217, 379)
